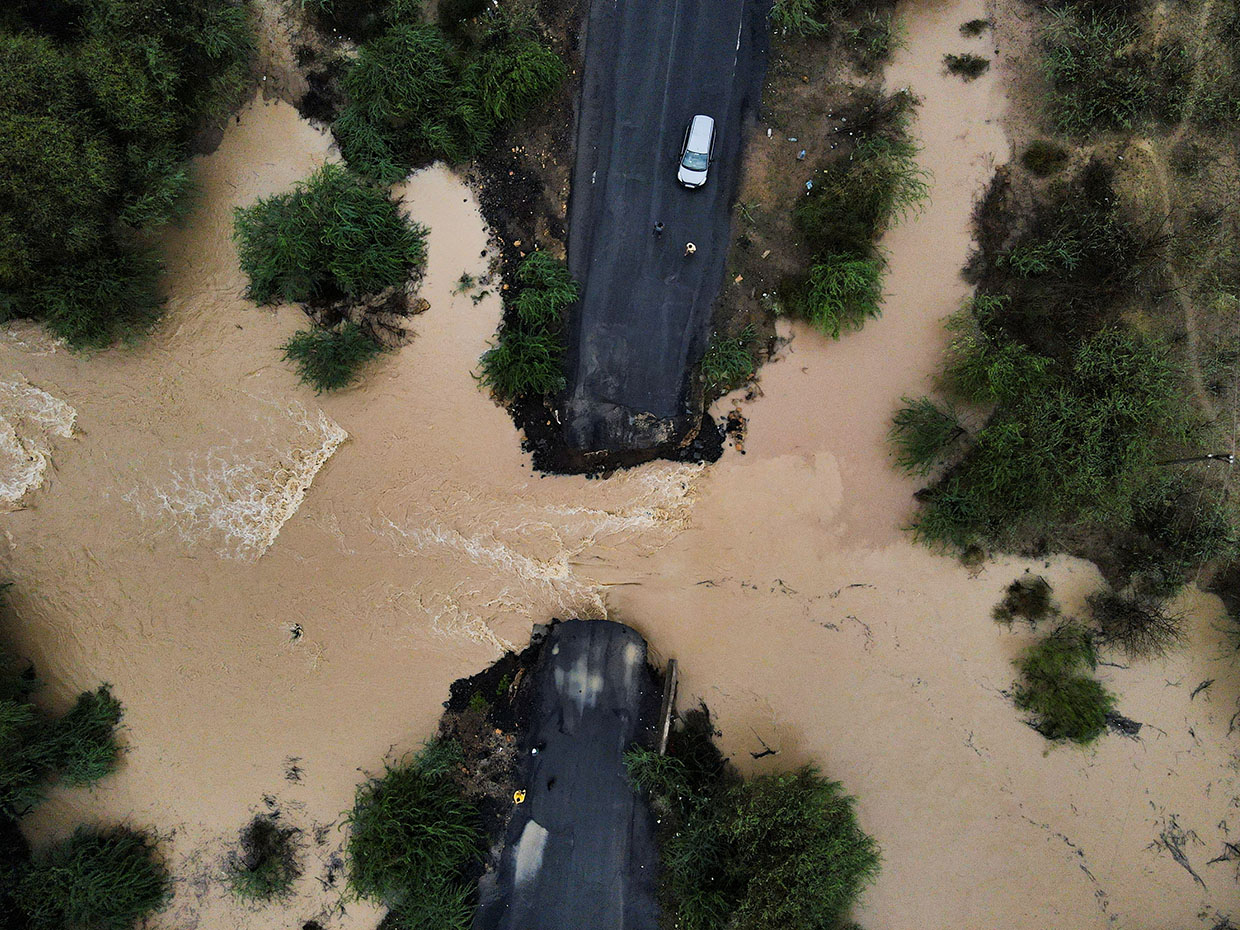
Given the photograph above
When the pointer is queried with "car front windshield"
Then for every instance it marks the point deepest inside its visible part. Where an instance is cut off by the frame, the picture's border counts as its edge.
(695, 161)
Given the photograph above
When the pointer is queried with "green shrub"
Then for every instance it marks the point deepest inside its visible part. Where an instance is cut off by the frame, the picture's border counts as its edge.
(527, 358)
(728, 363)
(801, 17)
(266, 865)
(1137, 623)
(1065, 702)
(966, 65)
(95, 127)
(333, 235)
(95, 880)
(922, 432)
(872, 40)
(776, 851)
(331, 359)
(77, 749)
(1043, 158)
(411, 834)
(414, 95)
(840, 293)
(1072, 442)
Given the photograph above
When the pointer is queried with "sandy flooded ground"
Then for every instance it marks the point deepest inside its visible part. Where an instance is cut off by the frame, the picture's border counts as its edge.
(280, 586)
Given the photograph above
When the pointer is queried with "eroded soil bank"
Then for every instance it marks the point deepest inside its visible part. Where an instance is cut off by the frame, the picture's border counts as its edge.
(424, 544)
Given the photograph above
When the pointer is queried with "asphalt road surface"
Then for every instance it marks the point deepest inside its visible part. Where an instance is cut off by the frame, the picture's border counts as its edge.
(644, 314)
(580, 853)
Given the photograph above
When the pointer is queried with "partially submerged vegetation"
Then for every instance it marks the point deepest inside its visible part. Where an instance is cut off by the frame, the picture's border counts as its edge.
(341, 245)
(1058, 690)
(966, 65)
(776, 850)
(100, 878)
(102, 102)
(265, 865)
(413, 838)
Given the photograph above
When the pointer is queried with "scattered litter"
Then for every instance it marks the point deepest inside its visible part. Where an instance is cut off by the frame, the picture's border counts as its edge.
(766, 253)
(809, 185)
(768, 132)
(792, 138)
(801, 155)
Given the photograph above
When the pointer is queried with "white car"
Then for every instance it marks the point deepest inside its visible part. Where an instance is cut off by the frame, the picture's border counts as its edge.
(697, 151)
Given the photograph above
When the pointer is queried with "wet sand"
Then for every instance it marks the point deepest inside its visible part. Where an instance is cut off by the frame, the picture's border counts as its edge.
(423, 545)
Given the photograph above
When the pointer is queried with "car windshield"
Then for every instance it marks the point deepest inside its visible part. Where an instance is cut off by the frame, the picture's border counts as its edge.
(695, 161)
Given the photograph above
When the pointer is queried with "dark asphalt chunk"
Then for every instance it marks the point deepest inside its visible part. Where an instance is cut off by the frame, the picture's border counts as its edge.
(579, 853)
(644, 314)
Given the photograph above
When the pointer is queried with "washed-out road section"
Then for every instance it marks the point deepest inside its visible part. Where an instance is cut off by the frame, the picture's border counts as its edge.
(644, 315)
(579, 851)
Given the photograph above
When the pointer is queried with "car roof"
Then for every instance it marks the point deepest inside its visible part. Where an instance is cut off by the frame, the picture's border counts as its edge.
(700, 130)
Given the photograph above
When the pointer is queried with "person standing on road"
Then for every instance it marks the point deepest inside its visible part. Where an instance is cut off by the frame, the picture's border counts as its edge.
(690, 248)
(658, 230)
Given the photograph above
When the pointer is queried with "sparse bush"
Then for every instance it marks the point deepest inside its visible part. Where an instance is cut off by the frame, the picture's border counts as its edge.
(922, 432)
(974, 28)
(1137, 623)
(966, 65)
(728, 363)
(801, 17)
(95, 880)
(333, 235)
(1043, 158)
(1027, 598)
(528, 355)
(266, 865)
(411, 834)
(778, 850)
(95, 126)
(872, 40)
(1065, 701)
(331, 359)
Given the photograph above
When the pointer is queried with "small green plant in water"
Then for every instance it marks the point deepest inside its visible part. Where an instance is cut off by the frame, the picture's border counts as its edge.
(1058, 690)
(266, 866)
(331, 359)
(966, 65)
(1026, 598)
(974, 28)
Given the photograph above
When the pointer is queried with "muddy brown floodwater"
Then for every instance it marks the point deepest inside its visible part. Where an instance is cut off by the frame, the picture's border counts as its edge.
(281, 586)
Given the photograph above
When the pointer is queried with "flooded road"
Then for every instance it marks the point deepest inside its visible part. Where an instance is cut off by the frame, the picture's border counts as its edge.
(280, 586)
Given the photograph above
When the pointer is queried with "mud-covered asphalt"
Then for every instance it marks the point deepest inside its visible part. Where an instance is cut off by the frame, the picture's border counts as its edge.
(579, 852)
(644, 316)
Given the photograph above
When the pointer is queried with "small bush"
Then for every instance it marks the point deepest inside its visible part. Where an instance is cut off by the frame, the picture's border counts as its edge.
(96, 880)
(966, 65)
(974, 28)
(331, 359)
(84, 743)
(1043, 158)
(1065, 702)
(728, 363)
(1140, 625)
(527, 358)
(1027, 598)
(333, 235)
(266, 865)
(411, 834)
(872, 41)
(801, 17)
(922, 432)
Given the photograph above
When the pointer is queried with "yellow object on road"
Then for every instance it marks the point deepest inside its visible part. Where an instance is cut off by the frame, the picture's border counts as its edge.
(518, 796)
